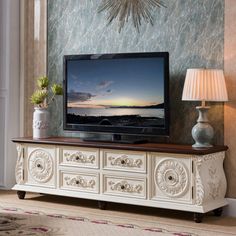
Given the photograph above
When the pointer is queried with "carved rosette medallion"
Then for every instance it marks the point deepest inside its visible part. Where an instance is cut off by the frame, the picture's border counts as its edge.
(19, 170)
(79, 181)
(125, 161)
(171, 177)
(79, 157)
(124, 186)
(40, 165)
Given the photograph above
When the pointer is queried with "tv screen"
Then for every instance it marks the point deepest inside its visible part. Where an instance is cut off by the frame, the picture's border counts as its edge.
(117, 93)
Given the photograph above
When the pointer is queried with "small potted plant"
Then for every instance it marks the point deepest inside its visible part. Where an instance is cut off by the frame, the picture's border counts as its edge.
(42, 97)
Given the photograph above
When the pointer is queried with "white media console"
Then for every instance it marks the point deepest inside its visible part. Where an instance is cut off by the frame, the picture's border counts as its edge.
(157, 175)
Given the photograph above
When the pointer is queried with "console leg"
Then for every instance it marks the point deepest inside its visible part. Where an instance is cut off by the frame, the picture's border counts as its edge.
(198, 217)
(218, 211)
(102, 205)
(21, 194)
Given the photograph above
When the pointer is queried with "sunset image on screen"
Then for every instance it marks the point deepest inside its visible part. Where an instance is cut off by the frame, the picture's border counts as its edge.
(120, 90)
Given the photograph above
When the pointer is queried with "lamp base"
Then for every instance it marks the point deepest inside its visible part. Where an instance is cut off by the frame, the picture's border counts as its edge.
(202, 132)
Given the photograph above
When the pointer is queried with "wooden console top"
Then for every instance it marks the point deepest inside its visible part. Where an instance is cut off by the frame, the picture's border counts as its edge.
(150, 147)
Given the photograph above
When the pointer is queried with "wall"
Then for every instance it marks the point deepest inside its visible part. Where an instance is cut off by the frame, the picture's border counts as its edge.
(230, 107)
(191, 31)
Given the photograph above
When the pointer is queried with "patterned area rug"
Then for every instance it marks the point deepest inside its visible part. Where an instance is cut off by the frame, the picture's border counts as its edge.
(16, 221)
(53, 215)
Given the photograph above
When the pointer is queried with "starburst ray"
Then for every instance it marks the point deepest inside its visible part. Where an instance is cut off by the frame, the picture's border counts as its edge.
(137, 10)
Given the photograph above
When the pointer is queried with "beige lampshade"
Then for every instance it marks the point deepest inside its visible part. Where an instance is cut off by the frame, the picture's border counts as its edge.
(205, 85)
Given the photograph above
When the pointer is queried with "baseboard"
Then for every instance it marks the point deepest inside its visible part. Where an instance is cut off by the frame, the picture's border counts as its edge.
(230, 210)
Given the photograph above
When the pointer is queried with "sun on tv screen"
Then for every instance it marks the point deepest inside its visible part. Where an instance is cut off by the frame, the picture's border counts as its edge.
(118, 93)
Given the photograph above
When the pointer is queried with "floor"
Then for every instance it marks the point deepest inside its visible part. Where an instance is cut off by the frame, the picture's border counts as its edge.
(134, 213)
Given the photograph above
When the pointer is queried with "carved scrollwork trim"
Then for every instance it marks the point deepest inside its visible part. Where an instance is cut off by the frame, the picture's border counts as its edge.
(79, 157)
(124, 186)
(199, 185)
(125, 161)
(215, 156)
(19, 170)
(80, 181)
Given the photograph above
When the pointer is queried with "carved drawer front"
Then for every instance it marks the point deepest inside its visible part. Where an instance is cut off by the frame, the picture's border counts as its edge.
(80, 157)
(41, 163)
(79, 181)
(125, 186)
(172, 178)
(124, 160)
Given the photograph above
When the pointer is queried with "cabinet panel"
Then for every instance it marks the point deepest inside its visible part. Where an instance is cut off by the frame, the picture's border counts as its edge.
(124, 160)
(210, 178)
(41, 166)
(124, 186)
(80, 157)
(79, 181)
(171, 178)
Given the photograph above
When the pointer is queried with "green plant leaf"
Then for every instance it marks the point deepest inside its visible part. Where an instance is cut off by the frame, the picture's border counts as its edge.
(42, 97)
(38, 97)
(57, 89)
(42, 82)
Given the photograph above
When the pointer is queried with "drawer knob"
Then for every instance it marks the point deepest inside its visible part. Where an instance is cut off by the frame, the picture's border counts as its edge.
(122, 187)
(77, 182)
(123, 162)
(170, 178)
(77, 158)
(39, 166)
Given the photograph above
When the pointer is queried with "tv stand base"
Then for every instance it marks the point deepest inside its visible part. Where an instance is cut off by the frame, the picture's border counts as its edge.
(102, 205)
(176, 177)
(198, 217)
(21, 194)
(117, 138)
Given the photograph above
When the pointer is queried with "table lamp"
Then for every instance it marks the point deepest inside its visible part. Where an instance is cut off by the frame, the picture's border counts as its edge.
(204, 85)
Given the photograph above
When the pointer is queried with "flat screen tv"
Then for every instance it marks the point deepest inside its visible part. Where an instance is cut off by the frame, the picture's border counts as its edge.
(117, 93)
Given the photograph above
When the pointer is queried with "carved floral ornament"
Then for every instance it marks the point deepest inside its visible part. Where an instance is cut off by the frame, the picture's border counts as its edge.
(123, 10)
(171, 177)
(79, 157)
(125, 161)
(40, 166)
(79, 181)
(124, 186)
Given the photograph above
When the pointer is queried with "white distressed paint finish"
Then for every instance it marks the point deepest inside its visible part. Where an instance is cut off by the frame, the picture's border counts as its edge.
(173, 181)
(79, 157)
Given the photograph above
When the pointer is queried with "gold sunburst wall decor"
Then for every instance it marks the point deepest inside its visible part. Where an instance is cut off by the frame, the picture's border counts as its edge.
(123, 10)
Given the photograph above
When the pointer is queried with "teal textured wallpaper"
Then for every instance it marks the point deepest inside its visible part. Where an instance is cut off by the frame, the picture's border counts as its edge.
(191, 31)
